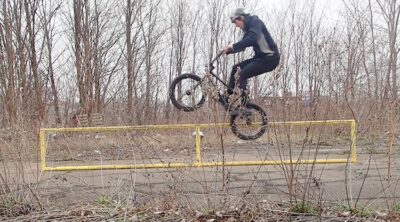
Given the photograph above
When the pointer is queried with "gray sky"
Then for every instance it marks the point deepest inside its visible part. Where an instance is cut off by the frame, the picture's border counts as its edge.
(330, 8)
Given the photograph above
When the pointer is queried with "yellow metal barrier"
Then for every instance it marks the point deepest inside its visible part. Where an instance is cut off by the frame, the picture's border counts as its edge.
(198, 163)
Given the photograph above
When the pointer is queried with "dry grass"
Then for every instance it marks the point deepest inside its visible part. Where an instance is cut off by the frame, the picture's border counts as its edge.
(218, 194)
(160, 211)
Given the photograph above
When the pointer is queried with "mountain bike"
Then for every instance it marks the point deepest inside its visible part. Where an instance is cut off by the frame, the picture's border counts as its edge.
(188, 92)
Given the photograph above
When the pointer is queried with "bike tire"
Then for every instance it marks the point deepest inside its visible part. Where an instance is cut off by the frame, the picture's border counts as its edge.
(255, 120)
(190, 97)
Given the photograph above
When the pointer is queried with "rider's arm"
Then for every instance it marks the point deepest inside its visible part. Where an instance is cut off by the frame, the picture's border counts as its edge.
(251, 37)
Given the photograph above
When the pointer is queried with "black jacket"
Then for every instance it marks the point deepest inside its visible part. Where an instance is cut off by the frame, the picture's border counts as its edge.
(257, 36)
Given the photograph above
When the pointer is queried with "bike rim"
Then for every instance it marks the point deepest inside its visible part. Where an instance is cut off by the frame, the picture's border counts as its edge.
(189, 94)
(250, 126)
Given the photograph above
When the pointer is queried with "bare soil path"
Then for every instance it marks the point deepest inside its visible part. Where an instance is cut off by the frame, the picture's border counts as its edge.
(365, 182)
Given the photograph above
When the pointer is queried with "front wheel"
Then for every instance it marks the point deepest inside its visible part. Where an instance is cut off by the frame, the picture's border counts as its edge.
(186, 93)
(249, 124)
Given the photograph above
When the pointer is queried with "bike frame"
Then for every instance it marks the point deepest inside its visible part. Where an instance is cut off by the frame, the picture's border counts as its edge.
(211, 68)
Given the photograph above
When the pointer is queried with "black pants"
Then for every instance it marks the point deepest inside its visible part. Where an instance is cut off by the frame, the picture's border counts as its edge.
(250, 68)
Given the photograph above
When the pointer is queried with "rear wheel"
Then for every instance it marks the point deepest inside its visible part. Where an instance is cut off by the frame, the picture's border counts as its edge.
(186, 93)
(250, 123)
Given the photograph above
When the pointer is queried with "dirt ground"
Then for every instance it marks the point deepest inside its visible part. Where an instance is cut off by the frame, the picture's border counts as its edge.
(365, 182)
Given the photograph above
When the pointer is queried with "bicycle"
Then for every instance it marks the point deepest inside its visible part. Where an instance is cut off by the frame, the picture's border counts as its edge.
(188, 92)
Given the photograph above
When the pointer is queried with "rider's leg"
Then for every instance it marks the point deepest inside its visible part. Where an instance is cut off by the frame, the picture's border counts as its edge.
(256, 67)
(250, 68)
(232, 80)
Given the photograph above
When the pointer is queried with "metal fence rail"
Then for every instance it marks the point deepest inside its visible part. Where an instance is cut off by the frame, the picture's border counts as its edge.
(198, 162)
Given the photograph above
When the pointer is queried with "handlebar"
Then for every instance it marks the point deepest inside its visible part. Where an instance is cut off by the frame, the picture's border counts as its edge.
(215, 59)
(217, 56)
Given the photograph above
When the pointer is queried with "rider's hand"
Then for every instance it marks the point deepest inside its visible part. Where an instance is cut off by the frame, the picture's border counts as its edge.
(228, 49)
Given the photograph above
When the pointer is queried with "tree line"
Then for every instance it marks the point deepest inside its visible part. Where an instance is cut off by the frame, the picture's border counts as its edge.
(59, 58)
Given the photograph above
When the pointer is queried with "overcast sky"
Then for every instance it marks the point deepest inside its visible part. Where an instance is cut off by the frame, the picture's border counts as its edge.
(330, 8)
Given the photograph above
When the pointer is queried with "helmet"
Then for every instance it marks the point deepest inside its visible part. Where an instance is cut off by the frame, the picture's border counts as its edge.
(237, 13)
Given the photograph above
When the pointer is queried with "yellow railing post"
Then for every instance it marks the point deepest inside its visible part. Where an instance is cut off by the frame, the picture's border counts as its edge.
(42, 139)
(198, 152)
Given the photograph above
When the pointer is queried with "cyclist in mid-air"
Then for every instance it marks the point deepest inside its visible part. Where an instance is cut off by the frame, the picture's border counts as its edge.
(256, 35)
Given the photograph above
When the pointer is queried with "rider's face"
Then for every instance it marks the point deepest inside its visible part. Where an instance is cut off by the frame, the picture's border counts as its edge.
(239, 23)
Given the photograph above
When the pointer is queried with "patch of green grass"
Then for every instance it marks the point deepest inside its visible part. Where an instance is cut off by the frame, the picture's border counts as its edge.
(396, 208)
(340, 208)
(359, 211)
(304, 208)
(362, 212)
(14, 206)
(104, 200)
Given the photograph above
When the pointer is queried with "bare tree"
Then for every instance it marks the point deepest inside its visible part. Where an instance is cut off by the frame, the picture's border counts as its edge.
(78, 52)
(95, 37)
(179, 35)
(371, 24)
(151, 34)
(353, 61)
(391, 14)
(8, 80)
(47, 21)
(22, 88)
(30, 12)
(133, 25)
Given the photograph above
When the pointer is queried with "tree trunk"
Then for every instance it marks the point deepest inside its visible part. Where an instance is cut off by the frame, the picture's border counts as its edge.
(30, 12)
(10, 91)
(51, 73)
(78, 53)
